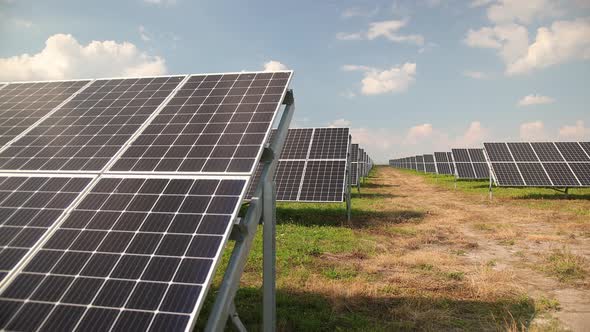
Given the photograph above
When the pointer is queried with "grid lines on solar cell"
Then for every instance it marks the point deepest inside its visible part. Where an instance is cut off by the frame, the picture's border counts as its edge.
(135, 254)
(469, 164)
(215, 123)
(23, 104)
(288, 179)
(297, 143)
(323, 181)
(546, 151)
(87, 131)
(582, 172)
(534, 174)
(507, 174)
(329, 143)
(572, 151)
(29, 207)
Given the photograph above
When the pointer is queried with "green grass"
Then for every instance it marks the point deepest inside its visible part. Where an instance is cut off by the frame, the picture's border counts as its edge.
(316, 245)
(533, 197)
(565, 266)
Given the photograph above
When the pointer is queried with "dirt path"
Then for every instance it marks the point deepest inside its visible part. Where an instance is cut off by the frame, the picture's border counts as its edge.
(532, 232)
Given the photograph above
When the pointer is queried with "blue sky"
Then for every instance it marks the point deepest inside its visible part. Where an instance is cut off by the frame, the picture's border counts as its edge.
(408, 76)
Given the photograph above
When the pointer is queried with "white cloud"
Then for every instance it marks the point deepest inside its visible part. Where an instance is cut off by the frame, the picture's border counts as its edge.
(385, 29)
(510, 40)
(576, 132)
(143, 34)
(478, 75)
(349, 36)
(563, 41)
(473, 136)
(273, 65)
(359, 12)
(339, 123)
(348, 94)
(523, 11)
(533, 131)
(535, 99)
(418, 133)
(64, 58)
(392, 80)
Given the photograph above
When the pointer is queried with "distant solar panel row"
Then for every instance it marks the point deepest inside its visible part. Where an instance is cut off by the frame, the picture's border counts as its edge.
(312, 166)
(125, 251)
(540, 164)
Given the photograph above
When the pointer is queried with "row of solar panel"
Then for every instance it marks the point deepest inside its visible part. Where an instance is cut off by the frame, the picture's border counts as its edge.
(538, 164)
(114, 248)
(314, 163)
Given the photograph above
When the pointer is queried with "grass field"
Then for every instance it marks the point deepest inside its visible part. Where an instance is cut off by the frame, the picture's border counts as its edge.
(408, 263)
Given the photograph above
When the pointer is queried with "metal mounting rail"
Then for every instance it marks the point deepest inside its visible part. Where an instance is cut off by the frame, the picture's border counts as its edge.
(262, 208)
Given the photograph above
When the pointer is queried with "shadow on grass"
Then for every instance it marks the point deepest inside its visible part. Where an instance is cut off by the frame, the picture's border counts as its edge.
(377, 185)
(555, 196)
(362, 194)
(307, 311)
(335, 215)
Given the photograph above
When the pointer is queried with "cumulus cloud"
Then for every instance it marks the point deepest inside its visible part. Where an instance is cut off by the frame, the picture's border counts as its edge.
(339, 123)
(533, 131)
(507, 11)
(473, 136)
(576, 132)
(418, 133)
(384, 29)
(535, 99)
(563, 41)
(273, 65)
(64, 58)
(509, 40)
(392, 80)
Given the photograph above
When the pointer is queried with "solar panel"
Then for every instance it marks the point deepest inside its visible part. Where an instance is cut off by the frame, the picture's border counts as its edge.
(469, 164)
(23, 104)
(135, 253)
(29, 207)
(443, 163)
(354, 155)
(214, 124)
(420, 164)
(88, 130)
(312, 179)
(138, 250)
(540, 164)
(323, 181)
(451, 164)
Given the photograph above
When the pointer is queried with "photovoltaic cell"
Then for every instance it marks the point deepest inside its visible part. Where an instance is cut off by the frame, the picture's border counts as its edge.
(88, 130)
(522, 152)
(288, 179)
(323, 181)
(546, 151)
(560, 174)
(498, 152)
(572, 151)
(329, 143)
(23, 104)
(481, 170)
(461, 156)
(214, 124)
(297, 143)
(534, 174)
(465, 171)
(354, 155)
(476, 155)
(469, 164)
(586, 147)
(582, 172)
(507, 174)
(135, 254)
(29, 206)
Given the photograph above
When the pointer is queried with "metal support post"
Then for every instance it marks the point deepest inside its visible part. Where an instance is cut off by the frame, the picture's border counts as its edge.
(491, 194)
(269, 314)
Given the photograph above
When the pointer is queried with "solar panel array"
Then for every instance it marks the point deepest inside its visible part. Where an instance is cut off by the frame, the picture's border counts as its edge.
(444, 164)
(312, 166)
(540, 164)
(132, 241)
(470, 164)
(438, 162)
(429, 165)
(354, 164)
